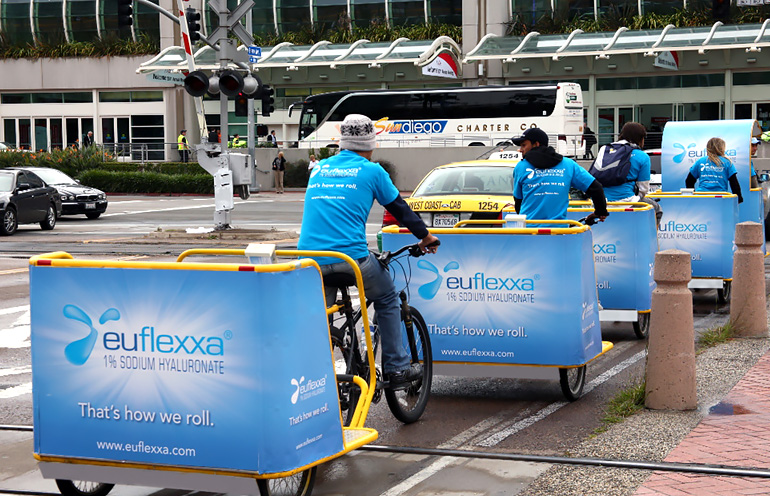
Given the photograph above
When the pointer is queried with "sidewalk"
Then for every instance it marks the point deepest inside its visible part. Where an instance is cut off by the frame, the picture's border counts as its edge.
(736, 432)
(731, 428)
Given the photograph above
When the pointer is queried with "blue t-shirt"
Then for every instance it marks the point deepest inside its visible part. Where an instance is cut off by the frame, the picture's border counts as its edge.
(639, 171)
(544, 193)
(339, 196)
(711, 176)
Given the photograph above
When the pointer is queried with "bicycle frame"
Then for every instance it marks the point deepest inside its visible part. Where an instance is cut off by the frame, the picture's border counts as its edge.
(367, 389)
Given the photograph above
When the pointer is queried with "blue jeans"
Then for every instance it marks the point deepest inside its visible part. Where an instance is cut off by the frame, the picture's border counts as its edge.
(380, 289)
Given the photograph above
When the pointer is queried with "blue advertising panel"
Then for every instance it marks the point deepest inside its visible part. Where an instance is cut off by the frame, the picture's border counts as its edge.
(624, 247)
(193, 368)
(702, 225)
(506, 298)
(685, 142)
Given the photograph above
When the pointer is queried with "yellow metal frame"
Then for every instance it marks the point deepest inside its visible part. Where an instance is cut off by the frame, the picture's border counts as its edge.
(611, 206)
(574, 227)
(367, 435)
(695, 194)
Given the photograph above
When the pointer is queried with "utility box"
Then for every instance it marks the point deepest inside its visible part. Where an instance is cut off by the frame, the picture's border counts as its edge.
(242, 168)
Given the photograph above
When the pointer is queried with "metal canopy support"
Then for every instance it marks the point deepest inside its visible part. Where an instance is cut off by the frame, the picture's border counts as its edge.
(349, 51)
(755, 48)
(708, 39)
(652, 52)
(521, 46)
(612, 42)
(478, 46)
(566, 43)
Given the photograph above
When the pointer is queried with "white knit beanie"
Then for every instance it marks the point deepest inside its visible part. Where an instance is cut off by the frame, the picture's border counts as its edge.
(357, 133)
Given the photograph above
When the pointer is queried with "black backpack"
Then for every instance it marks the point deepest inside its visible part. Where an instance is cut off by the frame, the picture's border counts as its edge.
(613, 163)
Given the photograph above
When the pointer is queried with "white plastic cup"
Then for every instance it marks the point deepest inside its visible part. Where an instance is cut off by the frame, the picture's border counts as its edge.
(515, 220)
(687, 191)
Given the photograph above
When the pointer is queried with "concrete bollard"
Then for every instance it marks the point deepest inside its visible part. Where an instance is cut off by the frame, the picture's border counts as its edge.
(671, 347)
(748, 310)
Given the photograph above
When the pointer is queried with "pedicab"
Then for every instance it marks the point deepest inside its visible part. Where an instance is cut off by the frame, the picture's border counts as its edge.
(516, 302)
(624, 247)
(703, 223)
(185, 376)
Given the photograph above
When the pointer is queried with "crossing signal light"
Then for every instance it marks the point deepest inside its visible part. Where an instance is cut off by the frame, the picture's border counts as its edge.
(197, 83)
(241, 105)
(125, 13)
(193, 18)
(267, 100)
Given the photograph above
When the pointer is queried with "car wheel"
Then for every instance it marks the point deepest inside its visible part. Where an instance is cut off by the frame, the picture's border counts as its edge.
(9, 222)
(50, 219)
(93, 215)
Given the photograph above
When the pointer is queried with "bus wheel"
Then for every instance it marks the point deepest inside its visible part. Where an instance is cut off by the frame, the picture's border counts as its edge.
(476, 143)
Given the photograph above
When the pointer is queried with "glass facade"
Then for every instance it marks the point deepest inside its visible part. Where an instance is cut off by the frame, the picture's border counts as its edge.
(59, 21)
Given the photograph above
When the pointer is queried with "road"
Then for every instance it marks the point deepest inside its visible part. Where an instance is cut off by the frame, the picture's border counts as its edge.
(485, 414)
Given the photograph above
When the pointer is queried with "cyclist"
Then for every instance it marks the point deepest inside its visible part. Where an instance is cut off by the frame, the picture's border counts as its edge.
(541, 181)
(339, 196)
(714, 171)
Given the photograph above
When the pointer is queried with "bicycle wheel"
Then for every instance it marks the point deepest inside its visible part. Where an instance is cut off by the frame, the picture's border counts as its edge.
(408, 404)
(299, 484)
(572, 381)
(724, 294)
(83, 488)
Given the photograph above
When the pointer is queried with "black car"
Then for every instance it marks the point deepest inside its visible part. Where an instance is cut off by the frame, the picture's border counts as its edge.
(76, 199)
(25, 199)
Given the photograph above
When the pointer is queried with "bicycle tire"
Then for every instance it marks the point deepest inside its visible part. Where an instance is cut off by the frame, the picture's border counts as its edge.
(408, 404)
(299, 484)
(572, 381)
(83, 488)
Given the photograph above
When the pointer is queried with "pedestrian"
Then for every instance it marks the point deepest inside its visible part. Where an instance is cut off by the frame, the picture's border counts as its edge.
(715, 171)
(313, 162)
(184, 149)
(754, 176)
(589, 137)
(272, 139)
(88, 139)
(238, 142)
(279, 167)
(543, 178)
(623, 168)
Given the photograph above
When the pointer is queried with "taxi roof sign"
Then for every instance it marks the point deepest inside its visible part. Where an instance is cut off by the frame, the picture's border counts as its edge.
(505, 155)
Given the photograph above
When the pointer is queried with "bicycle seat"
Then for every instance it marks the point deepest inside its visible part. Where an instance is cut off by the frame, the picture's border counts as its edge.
(339, 280)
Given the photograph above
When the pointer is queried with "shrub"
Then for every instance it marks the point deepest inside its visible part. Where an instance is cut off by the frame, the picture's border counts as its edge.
(148, 182)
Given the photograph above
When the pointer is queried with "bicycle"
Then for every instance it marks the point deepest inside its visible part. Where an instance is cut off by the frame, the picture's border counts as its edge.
(406, 402)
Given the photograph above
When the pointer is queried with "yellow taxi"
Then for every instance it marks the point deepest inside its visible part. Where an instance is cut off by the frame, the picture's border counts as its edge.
(472, 190)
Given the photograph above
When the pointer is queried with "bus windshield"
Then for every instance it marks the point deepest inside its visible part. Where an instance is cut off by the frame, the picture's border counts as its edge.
(314, 109)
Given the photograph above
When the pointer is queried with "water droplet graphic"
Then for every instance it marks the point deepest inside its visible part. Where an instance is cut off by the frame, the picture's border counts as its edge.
(109, 314)
(429, 290)
(77, 352)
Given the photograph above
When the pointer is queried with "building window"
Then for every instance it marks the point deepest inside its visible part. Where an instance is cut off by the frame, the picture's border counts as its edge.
(529, 11)
(15, 21)
(750, 78)
(147, 136)
(49, 27)
(445, 11)
(367, 12)
(406, 12)
(146, 19)
(130, 96)
(81, 20)
(330, 14)
(262, 16)
(292, 15)
(74, 97)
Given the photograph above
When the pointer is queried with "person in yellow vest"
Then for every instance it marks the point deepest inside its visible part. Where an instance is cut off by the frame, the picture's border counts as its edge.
(184, 150)
(765, 136)
(238, 142)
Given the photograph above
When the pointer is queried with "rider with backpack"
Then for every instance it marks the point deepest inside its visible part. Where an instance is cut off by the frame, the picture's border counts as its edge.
(623, 168)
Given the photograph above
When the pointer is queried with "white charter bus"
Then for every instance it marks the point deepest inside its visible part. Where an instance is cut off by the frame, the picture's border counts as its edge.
(473, 116)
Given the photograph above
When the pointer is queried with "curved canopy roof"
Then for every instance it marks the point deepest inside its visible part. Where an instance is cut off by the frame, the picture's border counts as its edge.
(752, 37)
(323, 53)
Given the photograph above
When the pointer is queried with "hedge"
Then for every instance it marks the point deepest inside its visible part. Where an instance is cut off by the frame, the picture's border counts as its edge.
(148, 182)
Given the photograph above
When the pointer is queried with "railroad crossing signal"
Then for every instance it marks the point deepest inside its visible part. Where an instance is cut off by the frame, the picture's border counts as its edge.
(125, 13)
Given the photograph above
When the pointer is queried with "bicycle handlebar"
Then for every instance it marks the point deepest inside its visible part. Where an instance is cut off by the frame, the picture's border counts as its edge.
(414, 251)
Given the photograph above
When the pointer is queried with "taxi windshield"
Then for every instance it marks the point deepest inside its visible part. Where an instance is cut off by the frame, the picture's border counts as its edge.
(473, 180)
